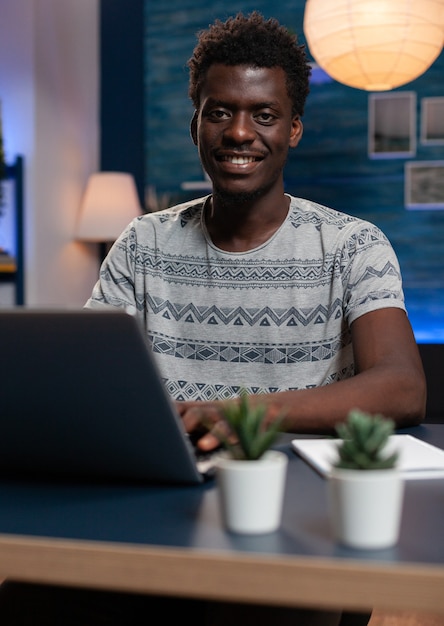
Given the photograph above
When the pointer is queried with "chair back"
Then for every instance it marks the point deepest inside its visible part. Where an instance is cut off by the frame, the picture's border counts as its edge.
(432, 355)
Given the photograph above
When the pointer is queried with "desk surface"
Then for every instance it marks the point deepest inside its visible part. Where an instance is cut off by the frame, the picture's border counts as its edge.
(170, 540)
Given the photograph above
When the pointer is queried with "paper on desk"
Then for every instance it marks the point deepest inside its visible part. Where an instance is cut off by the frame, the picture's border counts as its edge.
(417, 459)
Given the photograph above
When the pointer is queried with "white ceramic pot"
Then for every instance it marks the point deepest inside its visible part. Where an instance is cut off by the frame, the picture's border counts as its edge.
(251, 493)
(366, 507)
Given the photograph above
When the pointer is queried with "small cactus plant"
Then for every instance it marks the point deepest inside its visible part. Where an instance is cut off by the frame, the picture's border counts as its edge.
(364, 438)
(248, 436)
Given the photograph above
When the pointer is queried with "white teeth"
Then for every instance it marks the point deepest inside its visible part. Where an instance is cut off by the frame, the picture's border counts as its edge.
(238, 160)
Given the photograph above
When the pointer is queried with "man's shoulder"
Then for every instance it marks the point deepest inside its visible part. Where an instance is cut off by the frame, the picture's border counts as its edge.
(167, 225)
(305, 211)
(308, 212)
(181, 213)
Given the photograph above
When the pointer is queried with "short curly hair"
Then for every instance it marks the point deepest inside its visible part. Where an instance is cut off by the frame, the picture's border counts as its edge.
(255, 41)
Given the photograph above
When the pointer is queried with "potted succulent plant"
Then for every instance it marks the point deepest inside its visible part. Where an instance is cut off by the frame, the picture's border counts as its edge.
(250, 476)
(365, 487)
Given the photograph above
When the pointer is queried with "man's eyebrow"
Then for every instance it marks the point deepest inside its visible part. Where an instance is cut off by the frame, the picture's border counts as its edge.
(272, 104)
(217, 102)
(269, 104)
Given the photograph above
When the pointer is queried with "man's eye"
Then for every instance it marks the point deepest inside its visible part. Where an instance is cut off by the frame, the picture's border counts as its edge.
(217, 114)
(265, 118)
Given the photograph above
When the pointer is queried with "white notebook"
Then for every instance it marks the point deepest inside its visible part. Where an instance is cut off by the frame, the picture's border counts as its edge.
(417, 459)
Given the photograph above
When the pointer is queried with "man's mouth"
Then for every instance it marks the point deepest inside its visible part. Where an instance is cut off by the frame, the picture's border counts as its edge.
(238, 160)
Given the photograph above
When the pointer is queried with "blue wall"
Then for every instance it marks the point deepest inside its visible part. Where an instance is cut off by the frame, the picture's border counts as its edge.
(330, 165)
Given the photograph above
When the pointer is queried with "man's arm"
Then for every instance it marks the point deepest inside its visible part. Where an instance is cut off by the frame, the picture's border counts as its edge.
(389, 379)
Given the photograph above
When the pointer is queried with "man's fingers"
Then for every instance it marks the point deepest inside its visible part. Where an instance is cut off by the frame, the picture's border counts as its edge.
(208, 442)
(193, 419)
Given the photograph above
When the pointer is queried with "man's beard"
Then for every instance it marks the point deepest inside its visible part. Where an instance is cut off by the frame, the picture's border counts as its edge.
(226, 197)
(242, 197)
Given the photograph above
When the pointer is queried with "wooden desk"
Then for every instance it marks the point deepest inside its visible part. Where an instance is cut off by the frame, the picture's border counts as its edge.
(170, 541)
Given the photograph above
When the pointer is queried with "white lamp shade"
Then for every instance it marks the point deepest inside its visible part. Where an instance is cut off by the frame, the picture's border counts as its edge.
(374, 45)
(109, 203)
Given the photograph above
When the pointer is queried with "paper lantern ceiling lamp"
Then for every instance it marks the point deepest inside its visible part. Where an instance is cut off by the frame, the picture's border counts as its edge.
(374, 45)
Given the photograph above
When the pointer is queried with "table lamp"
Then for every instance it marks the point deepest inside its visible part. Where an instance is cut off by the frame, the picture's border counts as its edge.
(109, 203)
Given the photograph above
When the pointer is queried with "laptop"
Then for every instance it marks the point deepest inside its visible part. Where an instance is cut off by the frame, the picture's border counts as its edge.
(81, 397)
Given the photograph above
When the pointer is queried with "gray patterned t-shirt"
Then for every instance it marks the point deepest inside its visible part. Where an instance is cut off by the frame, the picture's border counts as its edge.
(269, 319)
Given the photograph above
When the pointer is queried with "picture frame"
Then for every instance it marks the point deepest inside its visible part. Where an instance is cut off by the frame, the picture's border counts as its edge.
(432, 121)
(424, 185)
(392, 125)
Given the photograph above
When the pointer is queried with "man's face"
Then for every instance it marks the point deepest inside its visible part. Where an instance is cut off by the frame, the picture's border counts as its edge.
(244, 128)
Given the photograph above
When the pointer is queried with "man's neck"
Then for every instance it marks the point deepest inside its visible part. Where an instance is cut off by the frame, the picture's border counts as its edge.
(245, 226)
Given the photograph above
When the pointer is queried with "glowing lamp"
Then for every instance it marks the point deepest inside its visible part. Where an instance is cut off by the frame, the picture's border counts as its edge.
(109, 203)
(374, 45)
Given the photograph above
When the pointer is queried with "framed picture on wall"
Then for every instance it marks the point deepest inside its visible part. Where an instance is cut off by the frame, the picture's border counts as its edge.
(424, 185)
(432, 121)
(392, 125)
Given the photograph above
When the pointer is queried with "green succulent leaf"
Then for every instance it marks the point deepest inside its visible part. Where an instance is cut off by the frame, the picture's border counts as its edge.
(246, 424)
(364, 438)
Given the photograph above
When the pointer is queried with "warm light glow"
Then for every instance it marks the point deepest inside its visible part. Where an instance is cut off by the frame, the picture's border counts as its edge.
(109, 203)
(374, 45)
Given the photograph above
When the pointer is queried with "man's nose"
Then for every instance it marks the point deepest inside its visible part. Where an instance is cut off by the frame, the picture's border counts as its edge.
(241, 128)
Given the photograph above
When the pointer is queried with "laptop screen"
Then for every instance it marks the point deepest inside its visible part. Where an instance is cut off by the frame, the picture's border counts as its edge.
(81, 396)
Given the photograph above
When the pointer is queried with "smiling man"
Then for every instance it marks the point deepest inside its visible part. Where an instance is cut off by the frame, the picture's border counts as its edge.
(251, 288)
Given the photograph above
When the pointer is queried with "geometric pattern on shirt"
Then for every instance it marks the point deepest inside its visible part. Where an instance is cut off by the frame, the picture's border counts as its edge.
(252, 271)
(259, 274)
(256, 273)
(183, 390)
(320, 218)
(239, 316)
(370, 272)
(186, 390)
(248, 353)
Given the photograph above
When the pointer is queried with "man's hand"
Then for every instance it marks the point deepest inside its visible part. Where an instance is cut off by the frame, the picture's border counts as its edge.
(201, 420)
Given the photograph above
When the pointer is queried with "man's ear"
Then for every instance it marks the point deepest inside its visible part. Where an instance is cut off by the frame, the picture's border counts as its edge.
(297, 129)
(193, 128)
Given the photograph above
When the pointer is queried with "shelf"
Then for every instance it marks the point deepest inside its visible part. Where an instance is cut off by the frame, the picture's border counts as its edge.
(8, 264)
(12, 266)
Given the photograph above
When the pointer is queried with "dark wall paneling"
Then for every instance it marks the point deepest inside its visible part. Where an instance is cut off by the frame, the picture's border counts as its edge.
(122, 93)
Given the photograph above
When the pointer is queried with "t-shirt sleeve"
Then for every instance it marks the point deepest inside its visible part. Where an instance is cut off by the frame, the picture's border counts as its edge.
(372, 275)
(115, 286)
